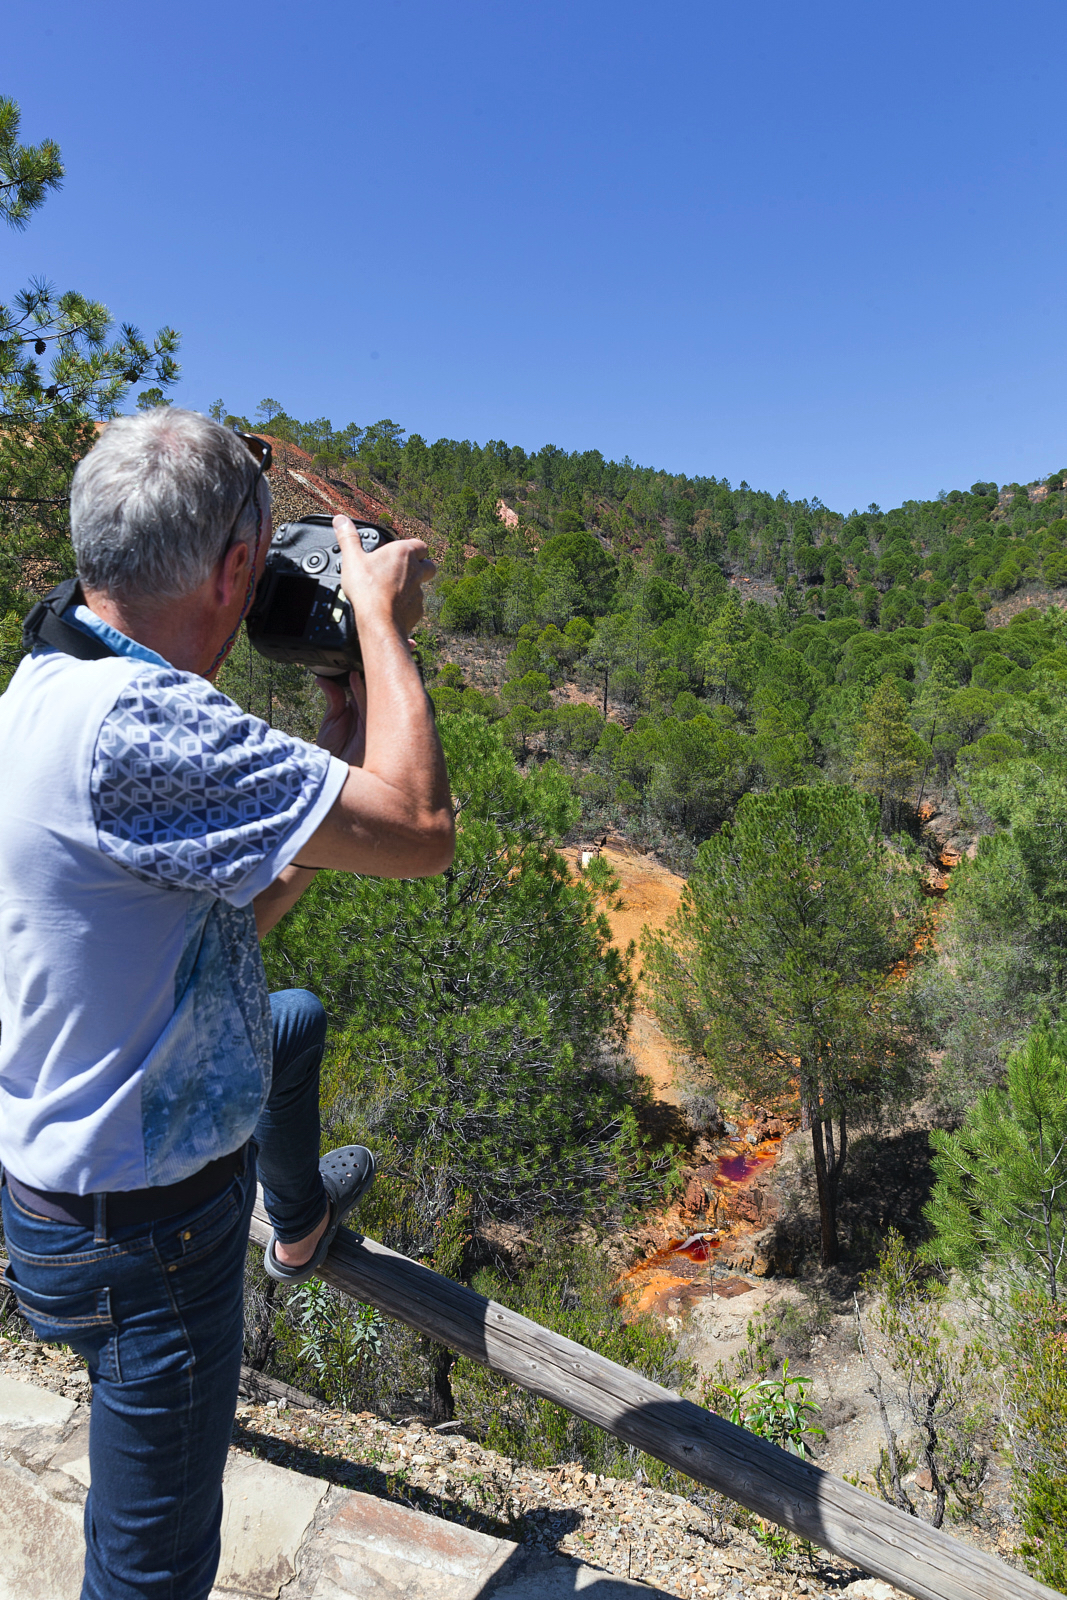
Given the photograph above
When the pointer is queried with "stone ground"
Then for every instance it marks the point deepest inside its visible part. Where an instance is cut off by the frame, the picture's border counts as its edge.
(605, 1528)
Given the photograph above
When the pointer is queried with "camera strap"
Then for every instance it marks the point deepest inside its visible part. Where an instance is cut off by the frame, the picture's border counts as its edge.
(45, 625)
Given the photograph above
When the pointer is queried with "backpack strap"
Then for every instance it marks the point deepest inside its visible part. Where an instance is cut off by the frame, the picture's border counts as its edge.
(45, 625)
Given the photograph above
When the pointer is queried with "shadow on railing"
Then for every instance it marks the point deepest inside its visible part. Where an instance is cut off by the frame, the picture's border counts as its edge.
(814, 1504)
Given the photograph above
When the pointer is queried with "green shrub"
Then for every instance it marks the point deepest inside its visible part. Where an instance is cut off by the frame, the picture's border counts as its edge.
(335, 1338)
(1037, 1397)
(778, 1409)
(567, 1286)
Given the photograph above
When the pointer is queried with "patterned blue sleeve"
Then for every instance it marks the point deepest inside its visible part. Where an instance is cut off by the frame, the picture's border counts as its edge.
(189, 792)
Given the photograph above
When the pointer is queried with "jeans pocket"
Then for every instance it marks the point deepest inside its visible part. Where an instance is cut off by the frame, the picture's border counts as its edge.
(201, 1232)
(80, 1318)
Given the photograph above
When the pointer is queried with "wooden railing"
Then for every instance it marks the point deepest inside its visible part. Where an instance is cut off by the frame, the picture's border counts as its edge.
(904, 1551)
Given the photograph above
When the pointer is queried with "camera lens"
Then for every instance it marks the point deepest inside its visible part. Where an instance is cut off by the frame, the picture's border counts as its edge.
(315, 561)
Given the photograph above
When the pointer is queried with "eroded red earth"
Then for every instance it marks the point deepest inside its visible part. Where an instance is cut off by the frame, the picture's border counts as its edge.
(722, 1203)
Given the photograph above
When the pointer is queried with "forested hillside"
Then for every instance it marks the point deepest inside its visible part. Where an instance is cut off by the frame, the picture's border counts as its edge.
(677, 642)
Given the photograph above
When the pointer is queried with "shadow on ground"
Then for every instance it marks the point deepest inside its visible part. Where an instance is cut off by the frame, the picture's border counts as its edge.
(887, 1181)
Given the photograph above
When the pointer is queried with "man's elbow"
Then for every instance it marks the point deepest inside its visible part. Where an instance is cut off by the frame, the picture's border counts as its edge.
(437, 844)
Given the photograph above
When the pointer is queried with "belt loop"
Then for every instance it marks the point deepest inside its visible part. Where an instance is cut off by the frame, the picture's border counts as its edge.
(100, 1219)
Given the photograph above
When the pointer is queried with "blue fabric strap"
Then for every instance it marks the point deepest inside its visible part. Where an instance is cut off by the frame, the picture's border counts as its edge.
(88, 621)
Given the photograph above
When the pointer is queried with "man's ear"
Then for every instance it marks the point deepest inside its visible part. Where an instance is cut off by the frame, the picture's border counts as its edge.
(232, 574)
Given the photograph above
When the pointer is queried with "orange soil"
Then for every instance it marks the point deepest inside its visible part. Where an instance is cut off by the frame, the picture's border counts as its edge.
(649, 894)
(669, 1284)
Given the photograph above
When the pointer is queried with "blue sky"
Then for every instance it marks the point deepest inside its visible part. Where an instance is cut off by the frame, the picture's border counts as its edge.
(819, 248)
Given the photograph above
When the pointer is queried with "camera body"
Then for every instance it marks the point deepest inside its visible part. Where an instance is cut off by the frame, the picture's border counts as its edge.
(300, 613)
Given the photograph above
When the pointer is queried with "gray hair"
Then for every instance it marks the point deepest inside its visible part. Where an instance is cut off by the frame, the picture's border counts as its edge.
(154, 503)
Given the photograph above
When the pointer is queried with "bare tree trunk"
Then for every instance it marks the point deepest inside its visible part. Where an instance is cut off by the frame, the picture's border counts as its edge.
(439, 1368)
(894, 1491)
(827, 1206)
(929, 1428)
(837, 1166)
(261, 1347)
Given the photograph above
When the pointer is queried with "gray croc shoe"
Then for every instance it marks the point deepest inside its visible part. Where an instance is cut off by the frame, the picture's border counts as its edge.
(346, 1174)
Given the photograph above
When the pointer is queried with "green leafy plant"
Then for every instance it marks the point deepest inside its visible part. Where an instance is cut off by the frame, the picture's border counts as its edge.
(336, 1337)
(777, 1409)
(776, 1541)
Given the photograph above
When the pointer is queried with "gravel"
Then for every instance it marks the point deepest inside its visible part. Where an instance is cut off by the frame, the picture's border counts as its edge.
(617, 1525)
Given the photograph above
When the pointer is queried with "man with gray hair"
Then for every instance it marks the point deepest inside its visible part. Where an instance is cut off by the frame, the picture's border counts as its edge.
(149, 829)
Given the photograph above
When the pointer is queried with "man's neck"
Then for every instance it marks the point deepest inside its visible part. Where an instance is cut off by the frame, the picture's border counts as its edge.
(179, 631)
(192, 631)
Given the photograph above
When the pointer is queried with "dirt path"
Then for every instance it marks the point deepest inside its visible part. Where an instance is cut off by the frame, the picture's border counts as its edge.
(650, 894)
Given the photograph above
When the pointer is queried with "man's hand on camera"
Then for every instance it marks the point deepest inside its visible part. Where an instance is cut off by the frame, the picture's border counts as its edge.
(385, 586)
(385, 590)
(393, 818)
(344, 727)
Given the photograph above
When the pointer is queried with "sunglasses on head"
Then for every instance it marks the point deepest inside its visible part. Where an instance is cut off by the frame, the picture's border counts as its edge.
(261, 450)
(263, 455)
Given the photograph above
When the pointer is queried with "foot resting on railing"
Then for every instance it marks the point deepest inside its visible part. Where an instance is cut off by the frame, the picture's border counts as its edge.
(347, 1174)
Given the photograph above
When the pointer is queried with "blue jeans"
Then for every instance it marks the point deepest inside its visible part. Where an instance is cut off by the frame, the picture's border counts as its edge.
(157, 1312)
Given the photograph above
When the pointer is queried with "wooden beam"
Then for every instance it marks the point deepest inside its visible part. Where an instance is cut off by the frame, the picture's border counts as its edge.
(258, 1388)
(773, 1483)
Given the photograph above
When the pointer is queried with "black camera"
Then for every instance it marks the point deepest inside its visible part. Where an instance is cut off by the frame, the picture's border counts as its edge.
(300, 612)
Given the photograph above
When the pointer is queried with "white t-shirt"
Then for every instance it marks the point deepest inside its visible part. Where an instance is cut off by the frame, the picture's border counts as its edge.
(141, 811)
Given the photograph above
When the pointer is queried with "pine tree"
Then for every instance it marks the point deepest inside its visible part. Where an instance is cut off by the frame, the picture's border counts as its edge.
(718, 652)
(1001, 1191)
(610, 647)
(778, 968)
(929, 717)
(889, 752)
(46, 416)
(27, 171)
(477, 1014)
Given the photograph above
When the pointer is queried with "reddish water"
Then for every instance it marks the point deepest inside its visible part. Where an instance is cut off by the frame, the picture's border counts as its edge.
(736, 1169)
(699, 1250)
(695, 1249)
(669, 1269)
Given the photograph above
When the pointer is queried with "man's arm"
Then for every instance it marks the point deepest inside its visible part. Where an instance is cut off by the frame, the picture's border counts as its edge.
(393, 818)
(271, 904)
